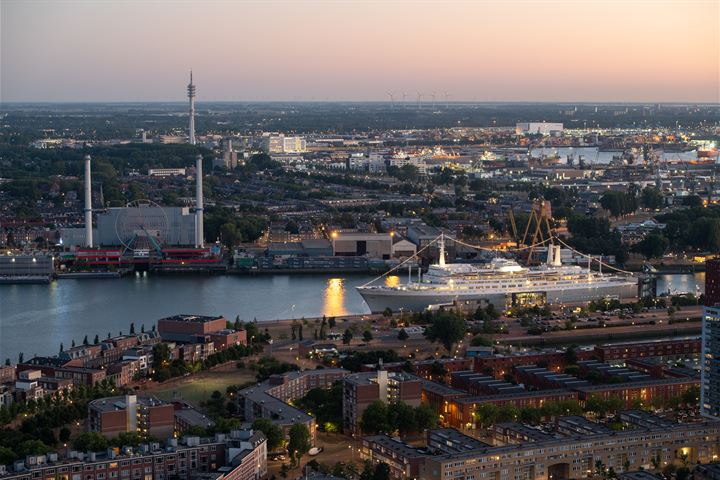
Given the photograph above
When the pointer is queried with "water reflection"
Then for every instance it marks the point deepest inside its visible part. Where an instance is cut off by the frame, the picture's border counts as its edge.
(334, 298)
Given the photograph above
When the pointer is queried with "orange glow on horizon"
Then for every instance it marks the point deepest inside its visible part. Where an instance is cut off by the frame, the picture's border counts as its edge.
(514, 50)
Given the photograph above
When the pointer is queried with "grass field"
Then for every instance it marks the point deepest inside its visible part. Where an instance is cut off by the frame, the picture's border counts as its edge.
(197, 388)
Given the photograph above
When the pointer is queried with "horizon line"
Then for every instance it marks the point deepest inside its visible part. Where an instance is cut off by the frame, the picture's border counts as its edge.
(378, 102)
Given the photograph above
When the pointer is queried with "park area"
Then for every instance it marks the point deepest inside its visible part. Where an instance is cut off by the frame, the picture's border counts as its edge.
(197, 388)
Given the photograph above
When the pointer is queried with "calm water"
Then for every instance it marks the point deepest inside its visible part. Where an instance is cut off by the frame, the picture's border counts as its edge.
(34, 319)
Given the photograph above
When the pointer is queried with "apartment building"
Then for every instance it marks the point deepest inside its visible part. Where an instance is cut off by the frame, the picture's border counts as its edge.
(112, 416)
(362, 389)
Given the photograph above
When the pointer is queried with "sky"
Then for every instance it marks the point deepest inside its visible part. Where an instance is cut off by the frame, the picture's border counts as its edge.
(364, 50)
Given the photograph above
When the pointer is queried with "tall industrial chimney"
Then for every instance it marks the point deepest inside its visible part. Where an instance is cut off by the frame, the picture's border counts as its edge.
(191, 97)
(199, 240)
(88, 204)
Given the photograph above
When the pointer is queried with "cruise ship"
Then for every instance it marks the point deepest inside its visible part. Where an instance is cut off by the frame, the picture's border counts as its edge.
(502, 282)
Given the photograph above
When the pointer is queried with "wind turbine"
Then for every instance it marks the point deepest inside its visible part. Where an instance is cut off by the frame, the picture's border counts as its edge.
(432, 95)
(404, 103)
(419, 100)
(447, 97)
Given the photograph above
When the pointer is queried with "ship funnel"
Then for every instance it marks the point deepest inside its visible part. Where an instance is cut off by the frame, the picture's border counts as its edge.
(441, 245)
(553, 257)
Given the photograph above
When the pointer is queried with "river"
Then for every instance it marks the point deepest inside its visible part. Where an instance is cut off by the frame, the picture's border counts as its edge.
(35, 319)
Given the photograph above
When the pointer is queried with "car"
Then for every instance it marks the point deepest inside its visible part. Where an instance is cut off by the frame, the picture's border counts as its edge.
(314, 451)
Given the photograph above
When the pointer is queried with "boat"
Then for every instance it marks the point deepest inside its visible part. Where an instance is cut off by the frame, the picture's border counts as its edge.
(502, 282)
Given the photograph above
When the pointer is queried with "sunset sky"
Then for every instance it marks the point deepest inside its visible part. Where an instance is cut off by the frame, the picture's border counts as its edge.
(511, 50)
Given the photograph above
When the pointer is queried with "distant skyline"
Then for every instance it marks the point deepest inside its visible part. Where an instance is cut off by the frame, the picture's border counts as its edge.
(352, 50)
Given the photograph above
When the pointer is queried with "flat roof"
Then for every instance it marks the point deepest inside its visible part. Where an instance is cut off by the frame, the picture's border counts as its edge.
(396, 446)
(193, 417)
(110, 404)
(367, 378)
(183, 317)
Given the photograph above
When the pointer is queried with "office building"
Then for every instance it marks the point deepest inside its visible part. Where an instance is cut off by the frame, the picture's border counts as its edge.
(282, 144)
(710, 358)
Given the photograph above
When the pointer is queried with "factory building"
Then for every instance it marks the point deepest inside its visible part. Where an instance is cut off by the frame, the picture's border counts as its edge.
(168, 225)
(538, 128)
(375, 245)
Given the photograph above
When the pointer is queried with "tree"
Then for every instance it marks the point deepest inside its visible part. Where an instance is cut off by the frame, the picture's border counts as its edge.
(367, 335)
(85, 341)
(7, 456)
(64, 434)
(374, 419)
(447, 328)
(382, 472)
(62, 347)
(96, 340)
(230, 234)
(90, 442)
(273, 433)
(570, 355)
(387, 312)
(402, 418)
(347, 337)
(652, 198)
(132, 328)
(485, 414)
(653, 245)
(425, 417)
(298, 441)
(600, 468)
(691, 396)
(402, 335)
(507, 413)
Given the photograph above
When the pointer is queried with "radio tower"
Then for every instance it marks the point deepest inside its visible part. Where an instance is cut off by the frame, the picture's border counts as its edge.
(191, 96)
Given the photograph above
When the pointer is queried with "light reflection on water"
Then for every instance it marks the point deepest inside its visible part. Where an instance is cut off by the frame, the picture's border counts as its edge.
(334, 298)
(34, 319)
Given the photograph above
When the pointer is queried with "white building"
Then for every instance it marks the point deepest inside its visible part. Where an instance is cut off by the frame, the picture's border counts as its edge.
(166, 172)
(282, 144)
(534, 128)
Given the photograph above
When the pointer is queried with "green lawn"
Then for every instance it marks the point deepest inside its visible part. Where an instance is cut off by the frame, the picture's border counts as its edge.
(197, 388)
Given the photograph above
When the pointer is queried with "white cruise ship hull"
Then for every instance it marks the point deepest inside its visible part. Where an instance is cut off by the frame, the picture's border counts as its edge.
(411, 299)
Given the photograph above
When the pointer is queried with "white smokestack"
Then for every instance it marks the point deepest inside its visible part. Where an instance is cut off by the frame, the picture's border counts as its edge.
(199, 236)
(88, 204)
